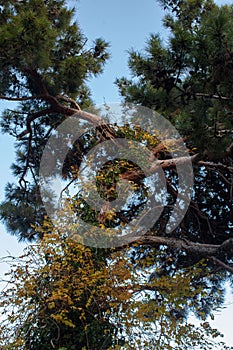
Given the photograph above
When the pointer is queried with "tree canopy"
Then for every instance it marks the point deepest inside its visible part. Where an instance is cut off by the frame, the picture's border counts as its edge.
(138, 295)
(188, 81)
(63, 295)
(45, 63)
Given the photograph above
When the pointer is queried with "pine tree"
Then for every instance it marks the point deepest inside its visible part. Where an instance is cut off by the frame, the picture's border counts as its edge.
(45, 63)
(189, 81)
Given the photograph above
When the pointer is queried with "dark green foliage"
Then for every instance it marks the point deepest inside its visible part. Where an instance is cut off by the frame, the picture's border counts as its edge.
(44, 57)
(45, 63)
(189, 80)
(45, 60)
(99, 335)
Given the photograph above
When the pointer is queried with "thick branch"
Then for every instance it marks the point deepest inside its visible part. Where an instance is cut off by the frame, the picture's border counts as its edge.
(22, 178)
(73, 103)
(230, 150)
(68, 111)
(171, 163)
(37, 78)
(59, 108)
(135, 175)
(192, 248)
(202, 95)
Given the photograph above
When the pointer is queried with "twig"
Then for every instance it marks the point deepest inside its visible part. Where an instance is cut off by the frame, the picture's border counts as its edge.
(222, 264)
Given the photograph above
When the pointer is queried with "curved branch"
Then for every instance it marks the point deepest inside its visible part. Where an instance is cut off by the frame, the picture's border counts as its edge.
(72, 102)
(31, 118)
(198, 249)
(68, 111)
(59, 108)
(222, 264)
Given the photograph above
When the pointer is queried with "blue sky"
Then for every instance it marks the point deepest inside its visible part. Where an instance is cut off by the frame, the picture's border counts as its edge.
(126, 24)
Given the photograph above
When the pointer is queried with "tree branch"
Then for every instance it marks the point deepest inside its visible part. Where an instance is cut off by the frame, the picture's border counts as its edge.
(215, 165)
(201, 250)
(167, 145)
(72, 102)
(25, 98)
(134, 175)
(171, 163)
(68, 111)
(222, 264)
(216, 97)
(31, 118)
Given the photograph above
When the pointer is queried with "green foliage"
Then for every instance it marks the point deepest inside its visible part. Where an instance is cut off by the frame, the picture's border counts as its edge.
(62, 294)
(189, 81)
(41, 35)
(44, 59)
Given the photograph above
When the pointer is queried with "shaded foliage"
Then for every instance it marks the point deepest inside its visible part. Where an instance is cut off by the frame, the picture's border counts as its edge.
(142, 295)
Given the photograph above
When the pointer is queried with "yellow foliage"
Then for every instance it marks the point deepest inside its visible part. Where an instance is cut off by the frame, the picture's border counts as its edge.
(58, 277)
